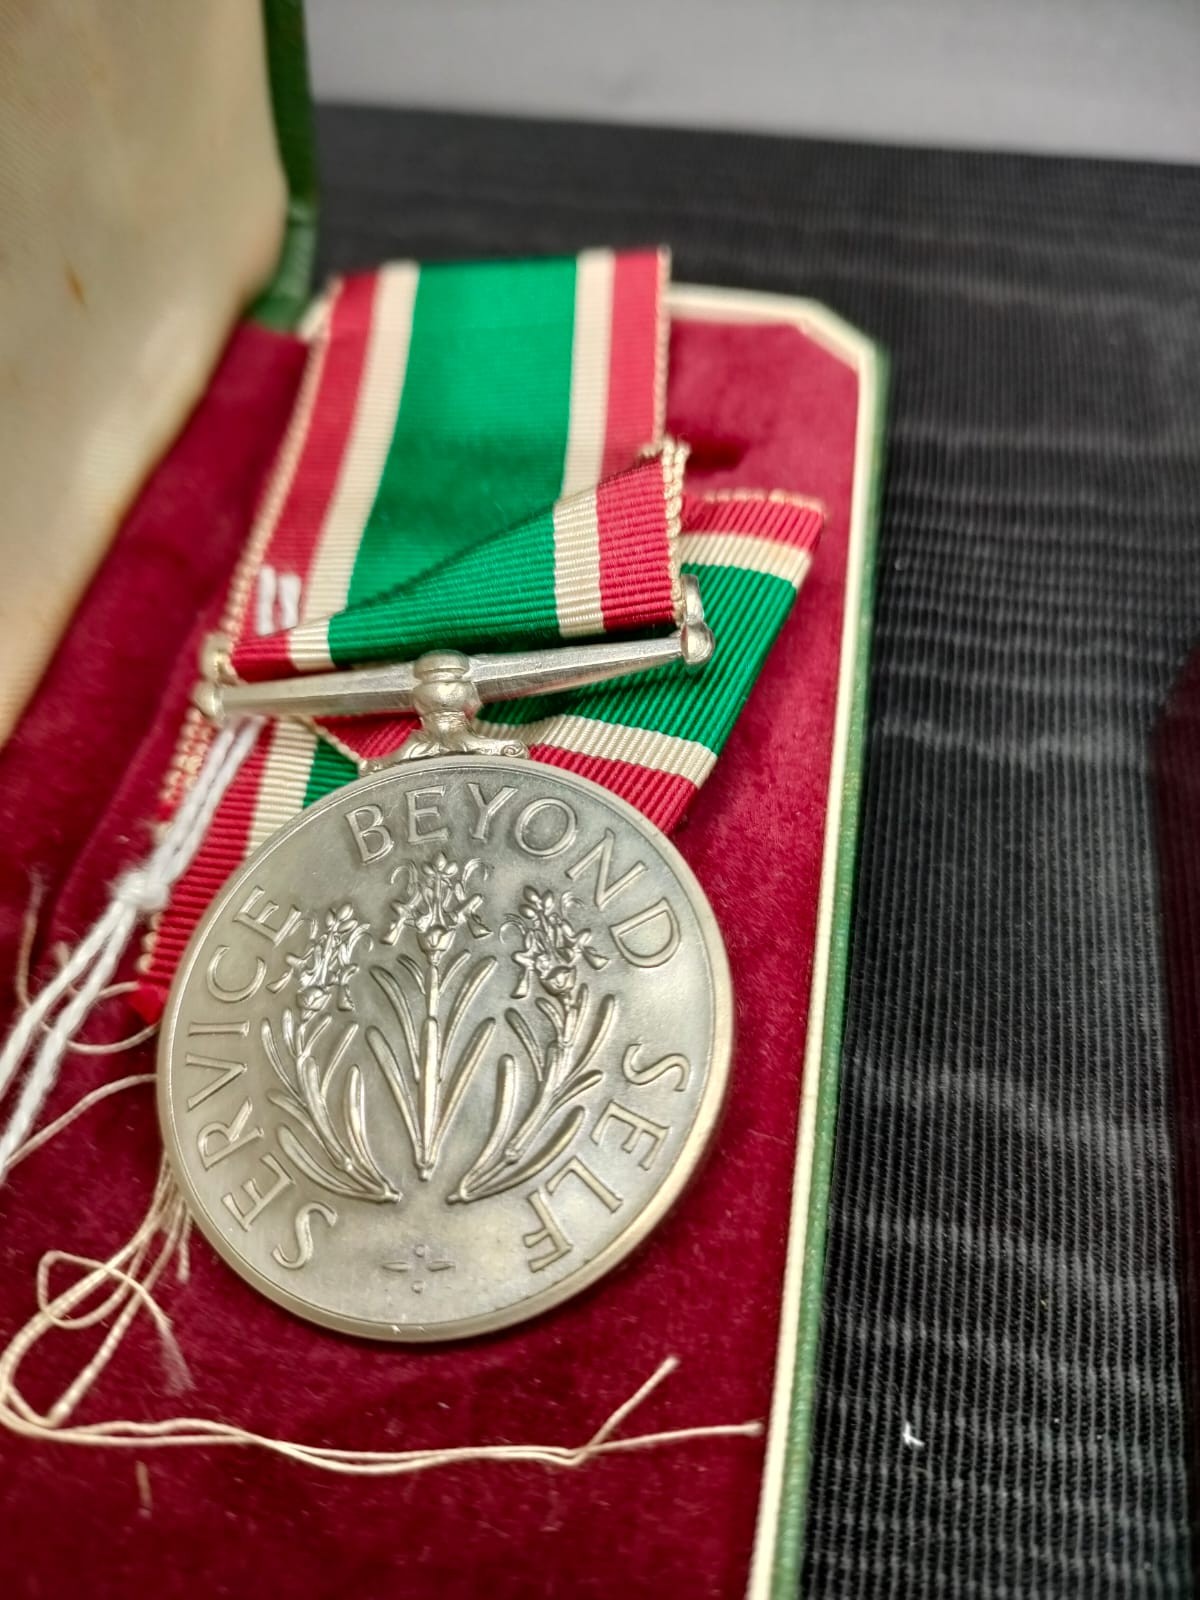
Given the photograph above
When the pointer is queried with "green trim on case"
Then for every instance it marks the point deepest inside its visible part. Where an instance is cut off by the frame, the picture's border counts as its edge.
(792, 1525)
(282, 302)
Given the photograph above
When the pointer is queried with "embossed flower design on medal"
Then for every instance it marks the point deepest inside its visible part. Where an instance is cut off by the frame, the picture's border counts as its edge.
(336, 1157)
(447, 1049)
(431, 990)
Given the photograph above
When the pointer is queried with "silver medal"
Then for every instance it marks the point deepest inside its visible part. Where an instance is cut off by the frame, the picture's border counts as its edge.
(446, 1049)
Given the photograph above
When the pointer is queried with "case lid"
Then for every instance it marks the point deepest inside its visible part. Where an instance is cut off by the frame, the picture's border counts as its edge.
(145, 205)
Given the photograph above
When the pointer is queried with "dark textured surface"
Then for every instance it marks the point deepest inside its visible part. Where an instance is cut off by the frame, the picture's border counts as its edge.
(1002, 1272)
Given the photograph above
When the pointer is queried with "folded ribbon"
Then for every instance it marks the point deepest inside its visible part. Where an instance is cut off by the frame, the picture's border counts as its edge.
(477, 460)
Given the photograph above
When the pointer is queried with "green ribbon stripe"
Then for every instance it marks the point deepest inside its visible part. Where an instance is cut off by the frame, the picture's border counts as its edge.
(481, 430)
(479, 445)
(499, 590)
(745, 610)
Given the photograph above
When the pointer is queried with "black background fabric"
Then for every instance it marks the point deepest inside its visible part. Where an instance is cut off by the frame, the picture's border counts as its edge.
(1003, 1234)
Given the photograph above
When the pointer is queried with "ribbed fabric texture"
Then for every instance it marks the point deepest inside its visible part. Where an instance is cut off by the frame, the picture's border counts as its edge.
(1002, 1268)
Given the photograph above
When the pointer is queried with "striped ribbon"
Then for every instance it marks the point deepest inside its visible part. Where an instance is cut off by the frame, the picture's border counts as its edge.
(477, 460)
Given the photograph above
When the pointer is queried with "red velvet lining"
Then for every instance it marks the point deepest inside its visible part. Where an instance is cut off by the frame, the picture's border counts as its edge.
(762, 408)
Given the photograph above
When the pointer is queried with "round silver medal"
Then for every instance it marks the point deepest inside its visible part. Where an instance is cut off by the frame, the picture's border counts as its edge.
(446, 1048)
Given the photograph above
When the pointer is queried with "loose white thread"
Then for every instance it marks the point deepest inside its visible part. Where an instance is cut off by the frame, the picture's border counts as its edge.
(111, 992)
(125, 1283)
(52, 1129)
(83, 975)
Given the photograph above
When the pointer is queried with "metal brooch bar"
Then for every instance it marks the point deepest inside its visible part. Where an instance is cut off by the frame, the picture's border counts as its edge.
(446, 688)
